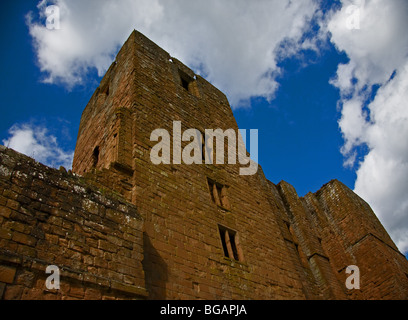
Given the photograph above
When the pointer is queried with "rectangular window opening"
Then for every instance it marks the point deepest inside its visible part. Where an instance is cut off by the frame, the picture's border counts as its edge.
(211, 189)
(224, 244)
(185, 80)
(184, 83)
(230, 244)
(218, 194)
(189, 83)
(95, 157)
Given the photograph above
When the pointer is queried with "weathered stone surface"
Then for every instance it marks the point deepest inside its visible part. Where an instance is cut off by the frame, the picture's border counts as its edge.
(7, 274)
(123, 228)
(63, 226)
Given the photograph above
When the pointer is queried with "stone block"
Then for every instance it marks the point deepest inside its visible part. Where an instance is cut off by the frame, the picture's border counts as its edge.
(7, 274)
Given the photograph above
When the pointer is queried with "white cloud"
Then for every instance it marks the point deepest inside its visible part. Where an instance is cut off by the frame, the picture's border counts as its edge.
(378, 53)
(233, 42)
(382, 177)
(36, 142)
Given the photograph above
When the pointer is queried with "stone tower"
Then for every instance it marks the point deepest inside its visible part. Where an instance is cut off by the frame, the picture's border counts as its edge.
(123, 227)
(209, 232)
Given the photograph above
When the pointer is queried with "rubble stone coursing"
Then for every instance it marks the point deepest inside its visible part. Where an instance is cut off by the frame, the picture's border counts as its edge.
(121, 227)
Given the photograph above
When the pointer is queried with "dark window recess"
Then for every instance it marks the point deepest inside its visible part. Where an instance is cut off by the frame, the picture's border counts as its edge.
(186, 80)
(211, 189)
(218, 194)
(95, 157)
(189, 83)
(203, 146)
(184, 83)
(230, 244)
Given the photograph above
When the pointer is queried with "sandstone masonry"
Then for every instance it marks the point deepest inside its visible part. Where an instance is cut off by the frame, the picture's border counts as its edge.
(121, 227)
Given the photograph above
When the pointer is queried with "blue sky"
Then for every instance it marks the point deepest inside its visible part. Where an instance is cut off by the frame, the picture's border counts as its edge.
(299, 138)
(323, 82)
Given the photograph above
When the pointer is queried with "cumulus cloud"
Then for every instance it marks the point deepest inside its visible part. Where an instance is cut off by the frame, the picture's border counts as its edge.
(36, 142)
(373, 35)
(232, 43)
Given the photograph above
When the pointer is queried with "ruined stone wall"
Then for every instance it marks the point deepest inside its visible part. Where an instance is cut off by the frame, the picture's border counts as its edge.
(282, 250)
(184, 255)
(50, 217)
(105, 132)
(130, 229)
(350, 234)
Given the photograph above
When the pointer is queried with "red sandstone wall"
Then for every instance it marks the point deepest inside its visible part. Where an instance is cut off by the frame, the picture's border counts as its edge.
(104, 120)
(293, 248)
(183, 255)
(352, 235)
(287, 247)
(50, 217)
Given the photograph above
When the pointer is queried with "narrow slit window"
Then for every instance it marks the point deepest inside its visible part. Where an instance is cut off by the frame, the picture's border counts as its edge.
(234, 247)
(211, 189)
(203, 147)
(224, 244)
(230, 244)
(95, 157)
(218, 194)
(219, 191)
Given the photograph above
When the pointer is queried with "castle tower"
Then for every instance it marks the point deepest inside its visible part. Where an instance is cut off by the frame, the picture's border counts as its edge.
(210, 232)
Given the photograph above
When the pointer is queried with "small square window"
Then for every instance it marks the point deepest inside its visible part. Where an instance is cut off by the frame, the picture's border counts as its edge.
(189, 83)
(230, 244)
(185, 80)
